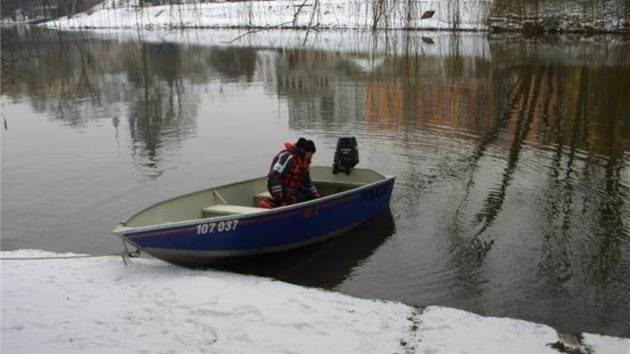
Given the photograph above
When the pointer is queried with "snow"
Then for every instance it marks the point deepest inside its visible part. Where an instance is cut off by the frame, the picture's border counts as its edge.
(65, 303)
(330, 14)
(467, 15)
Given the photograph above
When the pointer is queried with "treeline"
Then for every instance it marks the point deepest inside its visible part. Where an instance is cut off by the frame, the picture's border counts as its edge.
(556, 16)
(20, 10)
(546, 16)
(546, 8)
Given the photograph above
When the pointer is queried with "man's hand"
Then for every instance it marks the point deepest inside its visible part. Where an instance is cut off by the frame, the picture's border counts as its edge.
(278, 198)
(290, 198)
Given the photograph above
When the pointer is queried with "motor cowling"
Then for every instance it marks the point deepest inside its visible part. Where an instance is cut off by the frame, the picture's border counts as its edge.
(346, 155)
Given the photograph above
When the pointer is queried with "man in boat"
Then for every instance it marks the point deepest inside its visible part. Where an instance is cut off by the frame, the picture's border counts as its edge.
(289, 180)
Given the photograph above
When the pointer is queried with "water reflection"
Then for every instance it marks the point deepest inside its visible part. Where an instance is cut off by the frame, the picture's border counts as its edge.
(512, 158)
(235, 63)
(324, 265)
(162, 112)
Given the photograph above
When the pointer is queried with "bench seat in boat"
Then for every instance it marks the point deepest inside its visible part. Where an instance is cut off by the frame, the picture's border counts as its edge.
(261, 196)
(227, 209)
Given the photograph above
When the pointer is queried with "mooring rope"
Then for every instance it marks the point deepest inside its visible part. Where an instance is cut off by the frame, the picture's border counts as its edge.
(56, 257)
(126, 254)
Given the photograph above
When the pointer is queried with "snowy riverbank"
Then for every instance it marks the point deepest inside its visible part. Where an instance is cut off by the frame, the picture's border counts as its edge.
(97, 305)
(467, 15)
(322, 14)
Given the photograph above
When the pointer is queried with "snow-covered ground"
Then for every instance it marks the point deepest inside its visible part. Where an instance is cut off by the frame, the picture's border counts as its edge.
(478, 15)
(97, 305)
(349, 14)
(329, 14)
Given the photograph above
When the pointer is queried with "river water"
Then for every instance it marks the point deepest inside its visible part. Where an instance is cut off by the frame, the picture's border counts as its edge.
(512, 155)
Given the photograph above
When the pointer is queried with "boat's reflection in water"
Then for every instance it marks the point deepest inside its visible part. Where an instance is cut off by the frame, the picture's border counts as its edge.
(326, 264)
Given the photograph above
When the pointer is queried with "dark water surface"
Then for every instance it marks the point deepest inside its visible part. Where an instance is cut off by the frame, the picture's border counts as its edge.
(512, 156)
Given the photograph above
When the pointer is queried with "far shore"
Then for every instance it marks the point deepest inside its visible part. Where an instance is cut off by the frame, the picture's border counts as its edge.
(430, 15)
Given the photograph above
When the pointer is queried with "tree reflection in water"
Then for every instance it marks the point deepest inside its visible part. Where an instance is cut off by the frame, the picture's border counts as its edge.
(513, 156)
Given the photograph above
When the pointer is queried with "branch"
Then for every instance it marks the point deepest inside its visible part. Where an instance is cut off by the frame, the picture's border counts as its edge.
(255, 31)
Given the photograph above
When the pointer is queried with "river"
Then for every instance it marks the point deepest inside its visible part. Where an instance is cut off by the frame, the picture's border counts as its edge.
(512, 156)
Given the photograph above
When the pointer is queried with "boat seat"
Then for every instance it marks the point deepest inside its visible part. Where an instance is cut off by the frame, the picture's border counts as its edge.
(227, 209)
(260, 197)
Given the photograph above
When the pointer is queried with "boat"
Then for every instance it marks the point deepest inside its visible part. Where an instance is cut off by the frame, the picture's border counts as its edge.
(224, 223)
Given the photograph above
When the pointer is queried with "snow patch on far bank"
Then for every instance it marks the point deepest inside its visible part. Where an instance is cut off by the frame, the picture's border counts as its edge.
(329, 14)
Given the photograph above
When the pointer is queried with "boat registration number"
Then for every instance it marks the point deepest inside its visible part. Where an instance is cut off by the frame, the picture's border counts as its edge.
(222, 226)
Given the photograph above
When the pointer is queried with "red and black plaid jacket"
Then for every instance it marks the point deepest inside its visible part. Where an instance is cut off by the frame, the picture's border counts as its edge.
(289, 172)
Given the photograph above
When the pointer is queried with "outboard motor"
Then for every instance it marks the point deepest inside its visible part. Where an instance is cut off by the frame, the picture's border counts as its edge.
(346, 155)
